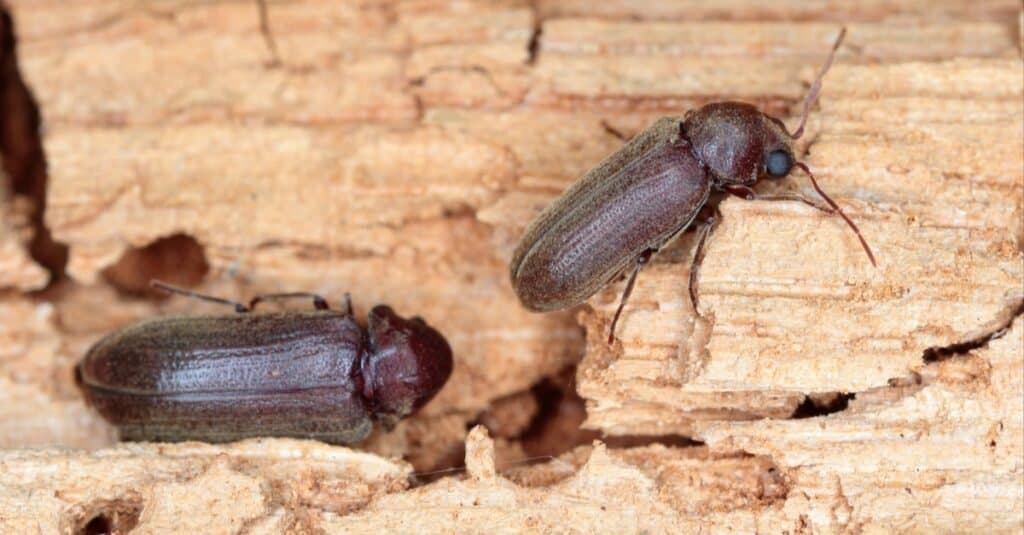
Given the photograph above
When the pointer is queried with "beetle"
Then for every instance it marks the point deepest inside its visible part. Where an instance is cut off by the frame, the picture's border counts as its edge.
(305, 374)
(621, 212)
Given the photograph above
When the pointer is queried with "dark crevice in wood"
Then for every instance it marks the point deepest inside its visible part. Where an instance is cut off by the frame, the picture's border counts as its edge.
(561, 411)
(823, 404)
(178, 259)
(639, 441)
(21, 149)
(533, 46)
(939, 354)
(115, 517)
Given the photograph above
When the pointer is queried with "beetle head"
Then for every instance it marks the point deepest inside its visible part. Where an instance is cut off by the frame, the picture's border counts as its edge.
(407, 364)
(738, 143)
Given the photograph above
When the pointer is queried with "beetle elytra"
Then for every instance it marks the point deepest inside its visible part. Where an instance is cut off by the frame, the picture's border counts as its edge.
(311, 374)
(658, 184)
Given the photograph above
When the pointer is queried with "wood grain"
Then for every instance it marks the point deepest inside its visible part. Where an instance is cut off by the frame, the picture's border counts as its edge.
(398, 149)
(17, 269)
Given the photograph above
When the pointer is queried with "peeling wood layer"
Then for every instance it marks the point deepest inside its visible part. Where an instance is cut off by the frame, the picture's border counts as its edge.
(398, 149)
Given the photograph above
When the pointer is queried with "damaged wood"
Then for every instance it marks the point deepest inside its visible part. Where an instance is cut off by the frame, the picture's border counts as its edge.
(803, 311)
(267, 486)
(22, 175)
(397, 150)
(17, 268)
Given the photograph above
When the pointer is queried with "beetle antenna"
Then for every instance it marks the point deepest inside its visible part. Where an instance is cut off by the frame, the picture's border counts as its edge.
(812, 95)
(171, 289)
(839, 210)
(348, 304)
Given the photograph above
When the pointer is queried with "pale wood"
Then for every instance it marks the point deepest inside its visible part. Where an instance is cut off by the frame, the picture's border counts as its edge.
(17, 269)
(262, 486)
(722, 488)
(398, 151)
(838, 11)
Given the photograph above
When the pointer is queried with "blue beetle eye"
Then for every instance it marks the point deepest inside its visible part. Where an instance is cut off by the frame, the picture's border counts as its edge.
(779, 163)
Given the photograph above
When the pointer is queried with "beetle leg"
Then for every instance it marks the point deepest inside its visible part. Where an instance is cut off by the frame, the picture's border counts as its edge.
(348, 304)
(710, 217)
(640, 261)
(160, 285)
(319, 302)
(746, 193)
(742, 192)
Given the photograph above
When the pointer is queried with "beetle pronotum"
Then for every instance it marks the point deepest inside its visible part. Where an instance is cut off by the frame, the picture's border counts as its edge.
(642, 196)
(310, 374)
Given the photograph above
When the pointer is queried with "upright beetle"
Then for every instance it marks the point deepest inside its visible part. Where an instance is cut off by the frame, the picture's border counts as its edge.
(313, 374)
(642, 196)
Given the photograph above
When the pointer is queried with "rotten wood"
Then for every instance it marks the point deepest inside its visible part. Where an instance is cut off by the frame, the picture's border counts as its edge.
(804, 311)
(399, 149)
(17, 268)
(261, 486)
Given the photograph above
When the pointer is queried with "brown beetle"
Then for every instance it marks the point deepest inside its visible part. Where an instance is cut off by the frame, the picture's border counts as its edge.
(642, 196)
(314, 374)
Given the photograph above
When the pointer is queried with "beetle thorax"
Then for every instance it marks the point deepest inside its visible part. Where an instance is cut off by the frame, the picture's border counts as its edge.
(733, 140)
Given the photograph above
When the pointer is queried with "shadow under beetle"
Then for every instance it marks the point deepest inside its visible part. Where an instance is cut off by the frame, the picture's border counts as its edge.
(311, 374)
(645, 194)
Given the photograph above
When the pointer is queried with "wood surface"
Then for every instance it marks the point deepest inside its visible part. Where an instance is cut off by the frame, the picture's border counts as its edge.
(397, 150)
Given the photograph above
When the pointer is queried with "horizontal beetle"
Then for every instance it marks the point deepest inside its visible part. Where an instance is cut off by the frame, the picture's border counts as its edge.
(642, 196)
(312, 374)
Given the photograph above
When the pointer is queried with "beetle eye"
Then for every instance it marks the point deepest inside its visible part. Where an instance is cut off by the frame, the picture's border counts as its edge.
(779, 163)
